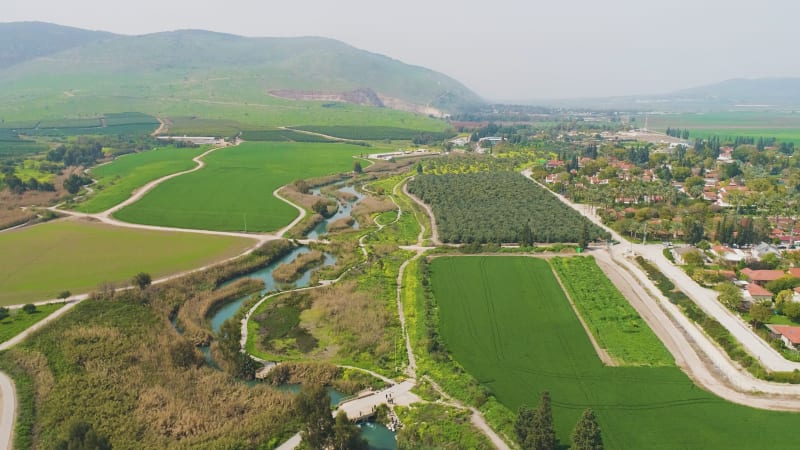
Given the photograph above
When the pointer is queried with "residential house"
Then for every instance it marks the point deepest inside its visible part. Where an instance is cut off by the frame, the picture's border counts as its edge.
(757, 293)
(728, 254)
(788, 334)
(761, 277)
(763, 249)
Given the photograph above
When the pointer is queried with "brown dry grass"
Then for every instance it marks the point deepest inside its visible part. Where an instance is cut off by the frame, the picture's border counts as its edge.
(193, 314)
(289, 272)
(343, 224)
(305, 200)
(369, 206)
(355, 316)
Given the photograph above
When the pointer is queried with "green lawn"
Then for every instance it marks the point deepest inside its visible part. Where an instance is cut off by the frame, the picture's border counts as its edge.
(507, 322)
(234, 191)
(38, 263)
(20, 321)
(117, 180)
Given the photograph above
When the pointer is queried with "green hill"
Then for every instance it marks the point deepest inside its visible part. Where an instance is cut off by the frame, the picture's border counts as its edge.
(23, 41)
(214, 75)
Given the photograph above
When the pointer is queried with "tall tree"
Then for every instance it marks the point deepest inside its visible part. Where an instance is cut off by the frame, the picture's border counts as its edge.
(543, 435)
(523, 424)
(142, 280)
(346, 435)
(586, 435)
(313, 407)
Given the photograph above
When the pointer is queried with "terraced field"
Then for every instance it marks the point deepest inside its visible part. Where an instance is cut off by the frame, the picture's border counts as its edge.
(507, 322)
(234, 191)
(38, 263)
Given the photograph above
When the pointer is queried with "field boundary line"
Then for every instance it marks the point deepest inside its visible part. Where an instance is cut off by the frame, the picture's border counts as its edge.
(602, 353)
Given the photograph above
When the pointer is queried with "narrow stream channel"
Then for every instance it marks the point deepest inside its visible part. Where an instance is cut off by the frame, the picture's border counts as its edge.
(377, 435)
(345, 209)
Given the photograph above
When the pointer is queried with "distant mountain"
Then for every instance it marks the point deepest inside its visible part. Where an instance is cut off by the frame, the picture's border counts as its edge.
(741, 93)
(23, 41)
(220, 67)
(747, 92)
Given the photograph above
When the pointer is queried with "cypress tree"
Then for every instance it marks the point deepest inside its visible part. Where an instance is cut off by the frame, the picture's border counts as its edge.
(543, 435)
(586, 435)
(523, 425)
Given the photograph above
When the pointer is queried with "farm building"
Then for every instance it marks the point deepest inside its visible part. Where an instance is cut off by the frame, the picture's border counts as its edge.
(788, 334)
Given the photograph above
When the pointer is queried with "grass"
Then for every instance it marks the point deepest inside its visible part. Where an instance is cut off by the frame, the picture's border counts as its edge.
(234, 191)
(508, 323)
(117, 181)
(783, 126)
(20, 321)
(279, 135)
(372, 133)
(616, 326)
(44, 260)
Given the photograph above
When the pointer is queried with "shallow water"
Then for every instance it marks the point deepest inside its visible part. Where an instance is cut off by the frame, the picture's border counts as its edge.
(265, 274)
(344, 211)
(378, 436)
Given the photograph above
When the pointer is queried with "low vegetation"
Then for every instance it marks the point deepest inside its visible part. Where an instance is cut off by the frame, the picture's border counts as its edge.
(20, 320)
(616, 326)
(105, 364)
(291, 271)
(438, 426)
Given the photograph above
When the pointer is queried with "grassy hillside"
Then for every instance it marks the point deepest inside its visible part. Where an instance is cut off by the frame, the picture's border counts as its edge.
(199, 73)
(23, 41)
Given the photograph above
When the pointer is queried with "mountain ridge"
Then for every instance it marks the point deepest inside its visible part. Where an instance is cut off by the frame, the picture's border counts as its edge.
(172, 59)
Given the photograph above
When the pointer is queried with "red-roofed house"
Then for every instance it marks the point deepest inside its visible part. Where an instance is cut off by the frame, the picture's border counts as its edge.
(794, 271)
(758, 293)
(789, 335)
(762, 277)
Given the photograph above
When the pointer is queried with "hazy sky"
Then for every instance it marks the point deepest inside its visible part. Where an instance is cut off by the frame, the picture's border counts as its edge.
(502, 49)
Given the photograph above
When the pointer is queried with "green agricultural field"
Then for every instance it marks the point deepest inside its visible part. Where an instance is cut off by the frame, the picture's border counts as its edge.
(374, 133)
(117, 180)
(234, 191)
(38, 263)
(780, 125)
(280, 135)
(506, 320)
(616, 326)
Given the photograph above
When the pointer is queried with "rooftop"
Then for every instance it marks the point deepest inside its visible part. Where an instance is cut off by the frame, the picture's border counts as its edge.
(758, 291)
(790, 332)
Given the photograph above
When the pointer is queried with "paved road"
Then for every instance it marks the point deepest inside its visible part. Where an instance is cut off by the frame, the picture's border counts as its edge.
(8, 414)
